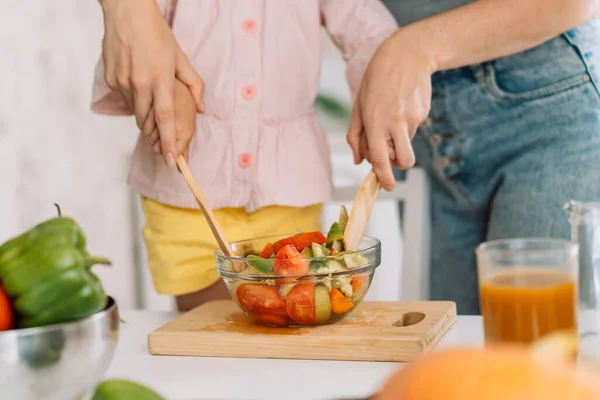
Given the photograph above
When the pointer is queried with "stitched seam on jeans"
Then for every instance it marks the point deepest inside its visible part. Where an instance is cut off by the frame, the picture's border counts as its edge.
(581, 47)
(533, 94)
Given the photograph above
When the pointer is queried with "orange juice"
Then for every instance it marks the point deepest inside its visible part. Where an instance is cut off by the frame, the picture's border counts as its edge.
(524, 304)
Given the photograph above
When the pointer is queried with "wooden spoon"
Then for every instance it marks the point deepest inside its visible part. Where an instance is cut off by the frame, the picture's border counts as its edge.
(361, 211)
(206, 209)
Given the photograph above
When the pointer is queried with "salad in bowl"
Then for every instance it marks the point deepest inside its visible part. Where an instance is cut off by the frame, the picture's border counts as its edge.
(302, 279)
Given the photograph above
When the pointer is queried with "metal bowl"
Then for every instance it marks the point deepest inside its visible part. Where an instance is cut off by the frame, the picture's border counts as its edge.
(58, 362)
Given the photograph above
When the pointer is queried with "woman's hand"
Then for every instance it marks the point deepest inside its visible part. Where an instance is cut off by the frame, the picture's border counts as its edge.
(141, 61)
(393, 99)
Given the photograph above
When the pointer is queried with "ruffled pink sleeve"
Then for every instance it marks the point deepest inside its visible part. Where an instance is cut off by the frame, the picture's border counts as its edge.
(104, 101)
(357, 27)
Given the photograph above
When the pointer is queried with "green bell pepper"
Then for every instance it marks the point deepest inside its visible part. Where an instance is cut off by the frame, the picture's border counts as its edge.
(53, 232)
(49, 278)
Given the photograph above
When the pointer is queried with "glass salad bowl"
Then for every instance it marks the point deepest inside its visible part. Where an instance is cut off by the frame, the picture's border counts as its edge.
(299, 280)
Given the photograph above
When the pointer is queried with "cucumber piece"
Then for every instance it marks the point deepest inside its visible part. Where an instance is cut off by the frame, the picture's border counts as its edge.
(338, 245)
(322, 305)
(307, 252)
(335, 266)
(343, 221)
(327, 283)
(355, 260)
(340, 282)
(319, 251)
(329, 267)
(263, 265)
(284, 290)
(340, 255)
(335, 233)
(318, 267)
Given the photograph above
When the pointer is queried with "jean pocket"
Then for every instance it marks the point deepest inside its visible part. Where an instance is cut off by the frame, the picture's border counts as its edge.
(546, 70)
(586, 40)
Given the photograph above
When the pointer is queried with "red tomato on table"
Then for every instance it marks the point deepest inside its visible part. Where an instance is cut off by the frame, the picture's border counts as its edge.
(300, 304)
(289, 262)
(301, 241)
(6, 312)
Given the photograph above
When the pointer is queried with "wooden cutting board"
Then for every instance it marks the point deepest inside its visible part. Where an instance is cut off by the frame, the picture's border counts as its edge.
(375, 331)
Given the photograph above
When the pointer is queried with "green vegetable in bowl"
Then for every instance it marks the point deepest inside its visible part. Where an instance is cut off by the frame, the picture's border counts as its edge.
(307, 252)
(341, 282)
(320, 251)
(335, 233)
(263, 265)
(46, 272)
(322, 305)
(48, 234)
(335, 238)
(354, 260)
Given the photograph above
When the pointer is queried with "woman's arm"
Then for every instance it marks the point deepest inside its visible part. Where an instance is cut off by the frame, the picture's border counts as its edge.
(488, 29)
(395, 93)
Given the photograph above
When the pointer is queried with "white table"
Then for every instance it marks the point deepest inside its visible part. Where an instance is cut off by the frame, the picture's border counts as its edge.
(187, 378)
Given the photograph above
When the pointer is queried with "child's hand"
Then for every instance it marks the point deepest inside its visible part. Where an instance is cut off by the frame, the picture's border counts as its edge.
(185, 121)
(365, 153)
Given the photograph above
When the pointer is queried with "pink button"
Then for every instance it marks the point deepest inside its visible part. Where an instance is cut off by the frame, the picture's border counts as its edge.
(245, 160)
(249, 92)
(249, 25)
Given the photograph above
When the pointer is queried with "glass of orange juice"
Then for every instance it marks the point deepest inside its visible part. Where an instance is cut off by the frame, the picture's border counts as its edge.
(527, 288)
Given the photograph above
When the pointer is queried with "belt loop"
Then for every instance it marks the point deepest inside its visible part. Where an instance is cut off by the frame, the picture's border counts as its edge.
(478, 72)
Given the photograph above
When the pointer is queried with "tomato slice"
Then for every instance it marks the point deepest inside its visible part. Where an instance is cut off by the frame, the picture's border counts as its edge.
(300, 304)
(289, 262)
(267, 251)
(273, 319)
(260, 299)
(301, 240)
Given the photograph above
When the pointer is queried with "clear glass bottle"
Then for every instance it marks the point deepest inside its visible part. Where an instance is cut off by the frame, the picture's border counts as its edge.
(585, 230)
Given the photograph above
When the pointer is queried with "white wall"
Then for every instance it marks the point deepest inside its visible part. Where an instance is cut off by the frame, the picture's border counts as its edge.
(55, 150)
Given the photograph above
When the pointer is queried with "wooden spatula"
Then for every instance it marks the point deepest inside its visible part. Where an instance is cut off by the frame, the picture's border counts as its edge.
(206, 209)
(361, 211)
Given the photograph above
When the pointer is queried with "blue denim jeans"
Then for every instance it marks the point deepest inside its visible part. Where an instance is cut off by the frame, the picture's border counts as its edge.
(507, 144)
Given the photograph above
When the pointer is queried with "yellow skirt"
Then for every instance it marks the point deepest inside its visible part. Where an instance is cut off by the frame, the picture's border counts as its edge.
(181, 247)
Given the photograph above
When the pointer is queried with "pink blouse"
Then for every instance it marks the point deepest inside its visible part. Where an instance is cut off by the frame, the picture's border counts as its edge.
(259, 142)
